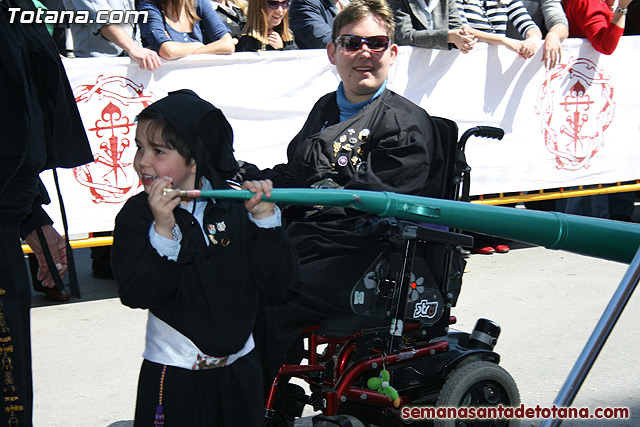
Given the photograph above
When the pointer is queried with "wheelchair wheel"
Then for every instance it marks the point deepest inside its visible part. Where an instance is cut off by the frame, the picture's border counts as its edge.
(478, 384)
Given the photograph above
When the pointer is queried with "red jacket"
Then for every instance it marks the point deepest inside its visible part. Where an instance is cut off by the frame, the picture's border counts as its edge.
(591, 19)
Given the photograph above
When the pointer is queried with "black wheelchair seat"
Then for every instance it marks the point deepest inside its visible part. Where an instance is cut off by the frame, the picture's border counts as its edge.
(373, 295)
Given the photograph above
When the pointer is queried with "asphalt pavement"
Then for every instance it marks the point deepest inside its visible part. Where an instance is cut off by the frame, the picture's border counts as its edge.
(87, 352)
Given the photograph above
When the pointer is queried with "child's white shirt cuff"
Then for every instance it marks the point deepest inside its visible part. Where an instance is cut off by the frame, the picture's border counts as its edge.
(273, 221)
(169, 248)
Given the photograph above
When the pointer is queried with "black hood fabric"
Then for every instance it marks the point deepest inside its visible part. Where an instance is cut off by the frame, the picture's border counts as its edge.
(206, 131)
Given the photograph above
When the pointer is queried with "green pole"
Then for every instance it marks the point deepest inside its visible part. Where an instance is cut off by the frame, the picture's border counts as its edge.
(612, 240)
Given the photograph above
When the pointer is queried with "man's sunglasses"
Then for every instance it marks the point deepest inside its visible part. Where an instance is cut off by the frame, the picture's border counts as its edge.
(353, 43)
(274, 4)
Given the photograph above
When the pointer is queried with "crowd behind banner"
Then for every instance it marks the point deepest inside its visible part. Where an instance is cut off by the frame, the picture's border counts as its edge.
(574, 125)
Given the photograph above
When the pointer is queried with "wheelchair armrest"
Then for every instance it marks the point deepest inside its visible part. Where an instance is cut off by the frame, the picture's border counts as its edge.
(412, 230)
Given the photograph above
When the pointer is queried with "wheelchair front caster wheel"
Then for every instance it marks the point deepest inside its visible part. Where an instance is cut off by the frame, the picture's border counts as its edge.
(478, 384)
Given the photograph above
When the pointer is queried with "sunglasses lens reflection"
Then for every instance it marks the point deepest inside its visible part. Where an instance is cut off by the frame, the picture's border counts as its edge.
(274, 4)
(353, 43)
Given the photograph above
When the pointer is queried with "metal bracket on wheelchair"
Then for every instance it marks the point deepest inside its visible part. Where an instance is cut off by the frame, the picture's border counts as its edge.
(336, 420)
(433, 235)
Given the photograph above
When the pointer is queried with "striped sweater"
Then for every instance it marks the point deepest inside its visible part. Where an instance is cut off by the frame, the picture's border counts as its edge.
(492, 15)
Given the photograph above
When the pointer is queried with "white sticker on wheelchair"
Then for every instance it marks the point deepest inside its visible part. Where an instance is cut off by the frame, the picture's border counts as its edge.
(425, 309)
(358, 297)
(397, 327)
(370, 280)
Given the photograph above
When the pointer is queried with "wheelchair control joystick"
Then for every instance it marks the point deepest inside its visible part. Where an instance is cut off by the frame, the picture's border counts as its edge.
(484, 335)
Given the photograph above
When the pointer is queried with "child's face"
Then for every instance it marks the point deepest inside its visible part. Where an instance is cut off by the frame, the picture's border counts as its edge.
(154, 159)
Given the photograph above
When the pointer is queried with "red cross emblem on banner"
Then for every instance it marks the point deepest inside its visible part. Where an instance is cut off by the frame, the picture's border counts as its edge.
(115, 101)
(576, 106)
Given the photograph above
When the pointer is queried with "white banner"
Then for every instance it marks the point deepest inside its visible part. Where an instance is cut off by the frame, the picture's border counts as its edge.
(576, 125)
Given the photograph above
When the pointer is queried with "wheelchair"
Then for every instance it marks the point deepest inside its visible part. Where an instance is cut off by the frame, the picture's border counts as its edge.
(397, 351)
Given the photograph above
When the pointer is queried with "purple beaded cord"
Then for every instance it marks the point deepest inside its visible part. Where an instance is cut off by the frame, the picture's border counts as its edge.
(159, 421)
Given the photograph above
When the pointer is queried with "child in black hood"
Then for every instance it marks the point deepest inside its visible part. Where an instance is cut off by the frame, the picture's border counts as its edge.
(198, 266)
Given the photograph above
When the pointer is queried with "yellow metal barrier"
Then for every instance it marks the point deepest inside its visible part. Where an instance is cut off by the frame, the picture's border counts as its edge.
(502, 199)
(81, 243)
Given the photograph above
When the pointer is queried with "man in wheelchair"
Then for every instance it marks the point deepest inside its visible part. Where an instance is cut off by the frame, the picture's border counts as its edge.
(363, 137)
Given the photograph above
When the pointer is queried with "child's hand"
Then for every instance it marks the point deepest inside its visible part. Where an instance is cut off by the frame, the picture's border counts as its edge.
(258, 209)
(162, 206)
